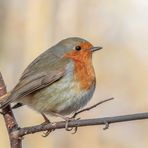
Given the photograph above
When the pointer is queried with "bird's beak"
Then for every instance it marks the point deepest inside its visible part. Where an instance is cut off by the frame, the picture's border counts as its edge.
(95, 48)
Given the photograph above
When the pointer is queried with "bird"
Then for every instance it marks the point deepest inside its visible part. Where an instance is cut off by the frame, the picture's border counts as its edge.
(58, 82)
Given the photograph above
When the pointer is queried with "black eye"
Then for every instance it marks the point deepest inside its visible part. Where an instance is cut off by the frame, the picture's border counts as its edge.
(78, 48)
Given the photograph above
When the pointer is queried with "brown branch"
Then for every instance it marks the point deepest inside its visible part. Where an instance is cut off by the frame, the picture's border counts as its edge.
(91, 107)
(78, 123)
(9, 118)
(16, 133)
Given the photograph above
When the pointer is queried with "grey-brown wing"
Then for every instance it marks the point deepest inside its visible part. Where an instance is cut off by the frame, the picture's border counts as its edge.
(42, 72)
(35, 83)
(25, 88)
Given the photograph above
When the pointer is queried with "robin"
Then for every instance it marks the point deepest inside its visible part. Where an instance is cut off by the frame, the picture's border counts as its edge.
(59, 82)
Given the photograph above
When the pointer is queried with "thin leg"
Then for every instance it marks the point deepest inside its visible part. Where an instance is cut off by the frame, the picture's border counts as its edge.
(46, 133)
(67, 119)
(45, 118)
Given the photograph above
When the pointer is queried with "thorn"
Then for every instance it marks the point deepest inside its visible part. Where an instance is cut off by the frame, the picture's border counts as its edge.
(106, 125)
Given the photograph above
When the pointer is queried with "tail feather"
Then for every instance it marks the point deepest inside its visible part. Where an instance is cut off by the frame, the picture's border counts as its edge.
(5, 101)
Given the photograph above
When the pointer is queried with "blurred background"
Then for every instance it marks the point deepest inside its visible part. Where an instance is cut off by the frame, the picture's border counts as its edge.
(27, 28)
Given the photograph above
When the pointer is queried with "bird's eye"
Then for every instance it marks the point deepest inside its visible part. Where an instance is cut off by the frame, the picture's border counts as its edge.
(78, 48)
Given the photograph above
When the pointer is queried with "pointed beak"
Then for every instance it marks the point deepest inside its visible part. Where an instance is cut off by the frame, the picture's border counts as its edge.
(95, 48)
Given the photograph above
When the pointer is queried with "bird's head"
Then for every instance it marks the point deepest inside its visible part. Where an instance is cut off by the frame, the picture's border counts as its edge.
(75, 48)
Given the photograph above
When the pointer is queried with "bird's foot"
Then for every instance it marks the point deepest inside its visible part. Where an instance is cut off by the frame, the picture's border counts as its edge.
(46, 133)
(47, 121)
(67, 120)
(67, 128)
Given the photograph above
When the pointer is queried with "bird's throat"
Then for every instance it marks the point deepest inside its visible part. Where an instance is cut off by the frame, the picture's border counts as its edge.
(84, 74)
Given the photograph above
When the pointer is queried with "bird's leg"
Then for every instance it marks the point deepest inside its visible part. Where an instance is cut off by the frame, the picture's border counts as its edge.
(67, 119)
(46, 133)
(45, 118)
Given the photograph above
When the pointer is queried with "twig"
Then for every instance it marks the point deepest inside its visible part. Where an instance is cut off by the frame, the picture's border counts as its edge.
(9, 118)
(78, 123)
(16, 133)
(91, 107)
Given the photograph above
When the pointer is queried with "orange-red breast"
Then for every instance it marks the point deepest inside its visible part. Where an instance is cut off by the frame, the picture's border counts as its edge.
(60, 81)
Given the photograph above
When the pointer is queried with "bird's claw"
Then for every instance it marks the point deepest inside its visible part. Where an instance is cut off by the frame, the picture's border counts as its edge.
(67, 128)
(75, 130)
(47, 121)
(67, 120)
(46, 133)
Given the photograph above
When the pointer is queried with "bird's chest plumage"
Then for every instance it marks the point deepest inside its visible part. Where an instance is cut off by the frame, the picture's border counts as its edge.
(67, 95)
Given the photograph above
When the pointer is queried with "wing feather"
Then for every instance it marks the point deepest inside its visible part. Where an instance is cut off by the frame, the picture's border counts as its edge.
(43, 71)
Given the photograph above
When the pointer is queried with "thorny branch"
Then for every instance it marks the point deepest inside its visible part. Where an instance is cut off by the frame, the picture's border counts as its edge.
(16, 133)
(78, 123)
(9, 118)
(91, 107)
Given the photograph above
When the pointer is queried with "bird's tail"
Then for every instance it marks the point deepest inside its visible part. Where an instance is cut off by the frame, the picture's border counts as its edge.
(4, 100)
